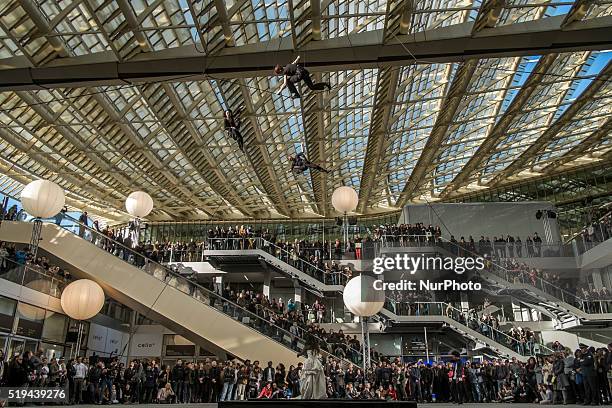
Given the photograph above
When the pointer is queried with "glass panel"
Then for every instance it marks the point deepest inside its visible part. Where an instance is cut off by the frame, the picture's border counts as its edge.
(55, 326)
(31, 319)
(7, 313)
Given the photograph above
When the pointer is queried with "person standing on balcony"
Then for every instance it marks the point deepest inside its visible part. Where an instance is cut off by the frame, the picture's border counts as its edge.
(537, 241)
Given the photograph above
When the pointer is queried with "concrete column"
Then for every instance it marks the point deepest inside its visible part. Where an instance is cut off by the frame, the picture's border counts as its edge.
(218, 285)
(465, 305)
(267, 281)
(298, 293)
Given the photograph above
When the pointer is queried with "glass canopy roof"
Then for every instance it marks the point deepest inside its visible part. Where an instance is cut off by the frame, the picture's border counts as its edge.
(422, 129)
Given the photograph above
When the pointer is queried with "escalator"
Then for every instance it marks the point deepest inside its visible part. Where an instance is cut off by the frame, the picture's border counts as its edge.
(158, 293)
(314, 277)
(568, 309)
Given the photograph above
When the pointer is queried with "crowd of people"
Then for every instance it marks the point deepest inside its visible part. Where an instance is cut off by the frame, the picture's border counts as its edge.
(597, 231)
(572, 290)
(300, 320)
(579, 377)
(419, 234)
(13, 259)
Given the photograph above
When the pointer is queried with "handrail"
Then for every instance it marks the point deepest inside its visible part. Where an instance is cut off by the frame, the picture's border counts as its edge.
(443, 307)
(496, 267)
(579, 233)
(264, 241)
(192, 286)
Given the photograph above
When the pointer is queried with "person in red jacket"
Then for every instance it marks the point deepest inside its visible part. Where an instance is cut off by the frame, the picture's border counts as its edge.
(266, 392)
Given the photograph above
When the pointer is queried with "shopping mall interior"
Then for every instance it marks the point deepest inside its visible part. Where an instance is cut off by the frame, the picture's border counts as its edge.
(238, 202)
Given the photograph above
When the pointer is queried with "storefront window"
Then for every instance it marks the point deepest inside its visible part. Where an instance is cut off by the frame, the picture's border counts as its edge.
(7, 313)
(31, 319)
(55, 327)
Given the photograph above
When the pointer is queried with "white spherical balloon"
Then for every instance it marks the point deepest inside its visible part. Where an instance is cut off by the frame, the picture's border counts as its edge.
(139, 204)
(345, 199)
(360, 297)
(43, 198)
(82, 299)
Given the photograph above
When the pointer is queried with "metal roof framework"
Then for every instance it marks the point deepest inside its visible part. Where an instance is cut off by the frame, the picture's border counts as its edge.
(431, 99)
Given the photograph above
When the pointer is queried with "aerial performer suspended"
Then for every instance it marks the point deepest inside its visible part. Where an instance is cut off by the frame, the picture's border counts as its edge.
(299, 164)
(294, 73)
(232, 127)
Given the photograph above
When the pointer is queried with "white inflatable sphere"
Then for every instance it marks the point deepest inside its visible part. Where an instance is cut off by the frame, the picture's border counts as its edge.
(360, 297)
(43, 198)
(82, 299)
(139, 204)
(345, 199)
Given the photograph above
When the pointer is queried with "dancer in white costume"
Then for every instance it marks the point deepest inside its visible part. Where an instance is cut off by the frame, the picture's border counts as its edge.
(312, 377)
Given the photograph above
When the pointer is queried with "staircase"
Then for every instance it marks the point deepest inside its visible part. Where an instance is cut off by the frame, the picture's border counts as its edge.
(306, 273)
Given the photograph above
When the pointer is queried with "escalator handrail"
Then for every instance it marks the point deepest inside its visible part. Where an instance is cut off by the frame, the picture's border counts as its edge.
(466, 313)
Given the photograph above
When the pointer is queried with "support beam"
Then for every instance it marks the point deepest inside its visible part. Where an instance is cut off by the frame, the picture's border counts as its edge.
(399, 16)
(315, 18)
(313, 111)
(70, 136)
(450, 105)
(501, 127)
(536, 147)
(52, 166)
(159, 98)
(488, 14)
(577, 12)
(358, 51)
(577, 151)
(384, 97)
(236, 93)
(224, 20)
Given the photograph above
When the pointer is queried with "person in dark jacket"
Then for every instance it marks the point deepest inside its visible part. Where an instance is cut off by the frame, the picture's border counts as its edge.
(589, 375)
(561, 380)
(177, 376)
(294, 73)
(457, 378)
(232, 127)
(17, 374)
(299, 164)
(150, 381)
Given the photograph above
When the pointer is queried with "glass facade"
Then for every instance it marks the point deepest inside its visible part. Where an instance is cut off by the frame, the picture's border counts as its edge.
(576, 194)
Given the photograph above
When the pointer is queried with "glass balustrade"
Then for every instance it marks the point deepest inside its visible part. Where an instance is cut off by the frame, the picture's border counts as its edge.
(31, 276)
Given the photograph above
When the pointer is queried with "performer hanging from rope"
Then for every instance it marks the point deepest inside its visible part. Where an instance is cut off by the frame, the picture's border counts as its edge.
(232, 127)
(294, 73)
(299, 164)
